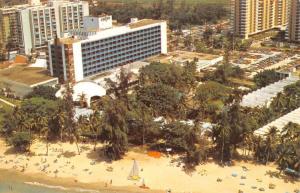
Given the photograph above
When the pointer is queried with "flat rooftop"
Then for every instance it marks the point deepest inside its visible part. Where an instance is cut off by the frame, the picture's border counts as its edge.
(186, 54)
(68, 40)
(25, 75)
(144, 22)
(182, 56)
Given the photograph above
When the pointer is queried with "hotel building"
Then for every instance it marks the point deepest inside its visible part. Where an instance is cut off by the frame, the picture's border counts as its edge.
(41, 23)
(293, 27)
(249, 17)
(101, 47)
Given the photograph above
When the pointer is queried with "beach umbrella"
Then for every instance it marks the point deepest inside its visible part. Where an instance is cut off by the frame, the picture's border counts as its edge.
(134, 173)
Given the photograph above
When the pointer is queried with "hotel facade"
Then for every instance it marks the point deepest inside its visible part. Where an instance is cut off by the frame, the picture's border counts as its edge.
(78, 57)
(249, 17)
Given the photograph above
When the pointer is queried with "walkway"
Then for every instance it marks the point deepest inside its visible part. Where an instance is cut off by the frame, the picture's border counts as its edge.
(6, 102)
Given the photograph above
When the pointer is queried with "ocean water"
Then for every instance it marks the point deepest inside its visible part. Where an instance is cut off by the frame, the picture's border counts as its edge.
(15, 186)
(10, 183)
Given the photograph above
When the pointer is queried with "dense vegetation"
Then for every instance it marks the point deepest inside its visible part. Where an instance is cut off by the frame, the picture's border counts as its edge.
(178, 14)
(164, 110)
(265, 78)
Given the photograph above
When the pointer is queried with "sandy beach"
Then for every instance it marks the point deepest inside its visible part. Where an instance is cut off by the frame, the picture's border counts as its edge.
(64, 166)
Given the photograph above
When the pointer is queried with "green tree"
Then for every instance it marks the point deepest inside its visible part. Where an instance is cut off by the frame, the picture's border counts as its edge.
(210, 97)
(115, 129)
(163, 100)
(265, 78)
(46, 92)
(21, 141)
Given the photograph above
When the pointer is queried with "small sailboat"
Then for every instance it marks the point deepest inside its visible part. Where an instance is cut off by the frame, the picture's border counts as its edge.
(134, 173)
(144, 185)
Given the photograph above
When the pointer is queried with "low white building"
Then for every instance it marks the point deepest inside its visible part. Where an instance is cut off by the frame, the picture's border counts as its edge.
(86, 89)
(263, 96)
(281, 122)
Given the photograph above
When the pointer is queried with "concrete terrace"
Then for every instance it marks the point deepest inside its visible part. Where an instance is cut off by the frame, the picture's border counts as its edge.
(25, 75)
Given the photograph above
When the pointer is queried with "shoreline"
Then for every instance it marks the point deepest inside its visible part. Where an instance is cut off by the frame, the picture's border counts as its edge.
(37, 179)
(64, 167)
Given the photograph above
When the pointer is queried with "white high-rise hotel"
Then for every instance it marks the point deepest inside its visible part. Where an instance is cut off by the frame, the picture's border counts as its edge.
(100, 46)
(41, 23)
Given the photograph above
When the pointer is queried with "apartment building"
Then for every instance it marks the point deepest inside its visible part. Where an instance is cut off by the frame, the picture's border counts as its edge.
(41, 23)
(9, 30)
(293, 27)
(87, 54)
(249, 17)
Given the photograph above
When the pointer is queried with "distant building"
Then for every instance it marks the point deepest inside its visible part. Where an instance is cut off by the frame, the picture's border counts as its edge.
(94, 50)
(42, 23)
(9, 29)
(28, 27)
(249, 17)
(293, 27)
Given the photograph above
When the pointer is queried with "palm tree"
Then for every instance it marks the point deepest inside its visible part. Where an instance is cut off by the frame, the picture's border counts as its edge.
(221, 136)
(271, 142)
(45, 133)
(60, 117)
(120, 87)
(290, 133)
(69, 118)
(290, 139)
(82, 100)
(95, 123)
(279, 103)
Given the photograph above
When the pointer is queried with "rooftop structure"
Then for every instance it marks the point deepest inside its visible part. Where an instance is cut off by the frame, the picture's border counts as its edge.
(132, 68)
(281, 122)
(23, 79)
(264, 96)
(84, 55)
(181, 57)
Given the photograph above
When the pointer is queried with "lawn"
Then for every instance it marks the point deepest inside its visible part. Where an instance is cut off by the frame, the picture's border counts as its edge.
(177, 1)
(4, 108)
(11, 100)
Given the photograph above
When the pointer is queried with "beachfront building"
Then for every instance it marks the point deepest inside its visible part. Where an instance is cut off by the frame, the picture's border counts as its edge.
(41, 23)
(293, 27)
(249, 17)
(100, 47)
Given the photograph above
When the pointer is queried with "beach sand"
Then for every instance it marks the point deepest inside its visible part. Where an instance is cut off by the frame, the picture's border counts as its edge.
(88, 170)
